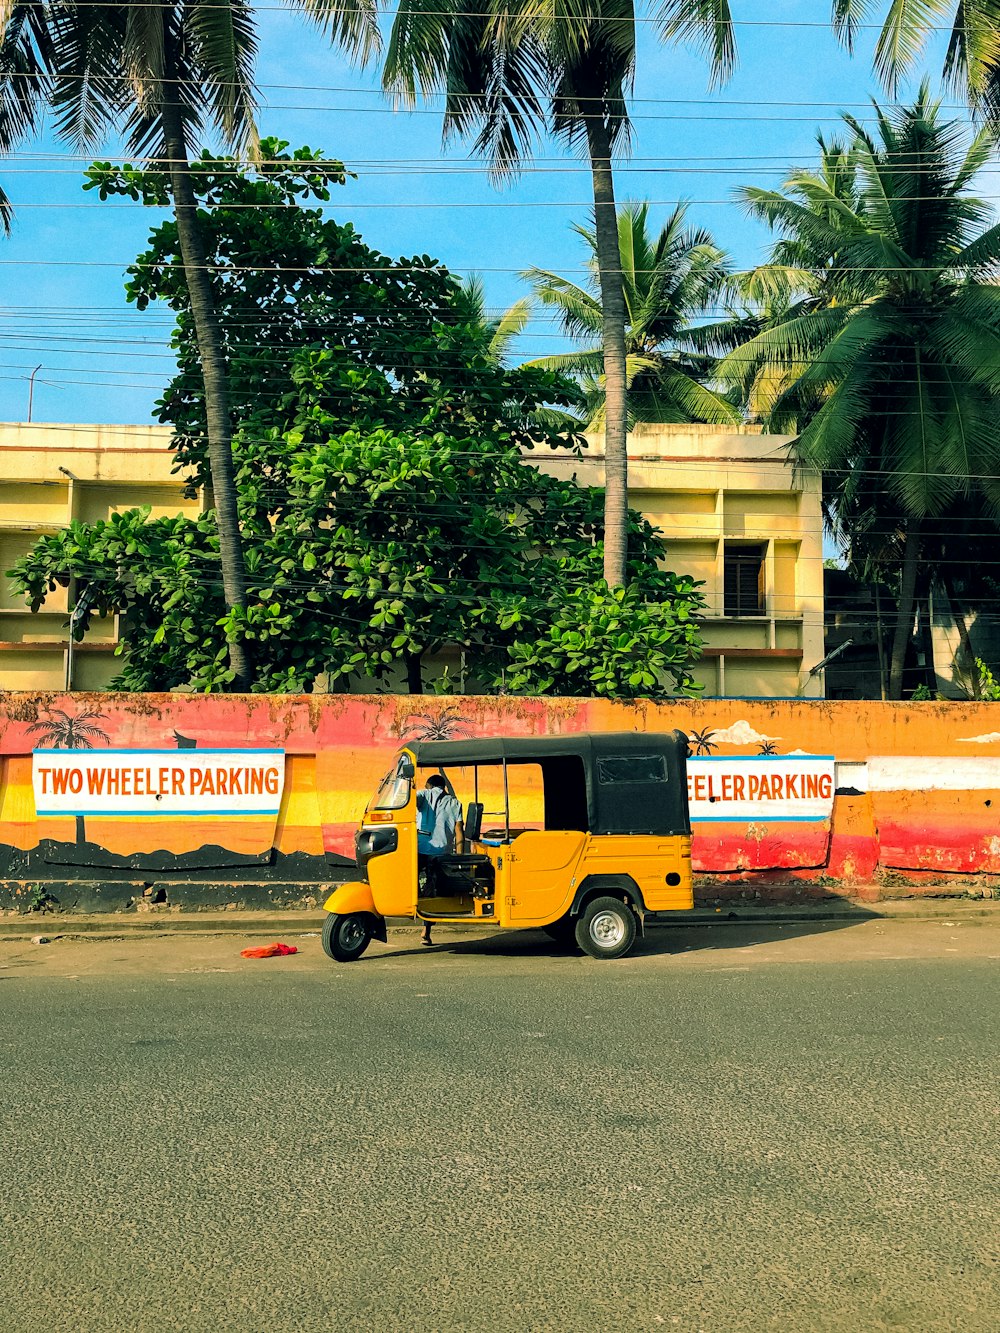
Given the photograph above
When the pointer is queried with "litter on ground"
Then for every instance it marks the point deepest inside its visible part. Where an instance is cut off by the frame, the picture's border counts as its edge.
(275, 950)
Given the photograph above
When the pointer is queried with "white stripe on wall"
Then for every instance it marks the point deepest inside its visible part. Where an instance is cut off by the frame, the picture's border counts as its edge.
(904, 772)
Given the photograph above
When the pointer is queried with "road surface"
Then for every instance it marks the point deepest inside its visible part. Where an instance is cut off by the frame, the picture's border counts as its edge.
(763, 1127)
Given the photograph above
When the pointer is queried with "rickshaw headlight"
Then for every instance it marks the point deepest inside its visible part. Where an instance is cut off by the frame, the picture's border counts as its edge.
(371, 842)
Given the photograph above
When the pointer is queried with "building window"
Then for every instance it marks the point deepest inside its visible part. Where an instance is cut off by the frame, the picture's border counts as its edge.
(743, 579)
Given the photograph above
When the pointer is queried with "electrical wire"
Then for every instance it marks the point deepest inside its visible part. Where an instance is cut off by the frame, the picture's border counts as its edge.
(498, 205)
(168, 6)
(545, 453)
(840, 270)
(354, 613)
(413, 510)
(390, 168)
(701, 100)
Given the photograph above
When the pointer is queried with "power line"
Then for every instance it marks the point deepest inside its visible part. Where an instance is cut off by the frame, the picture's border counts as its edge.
(632, 20)
(500, 205)
(378, 168)
(702, 100)
(269, 589)
(317, 318)
(841, 270)
(551, 456)
(154, 380)
(169, 6)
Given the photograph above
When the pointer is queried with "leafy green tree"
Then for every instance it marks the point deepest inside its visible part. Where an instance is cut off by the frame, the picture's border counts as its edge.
(406, 318)
(887, 365)
(512, 71)
(386, 502)
(499, 333)
(161, 73)
(668, 281)
(620, 643)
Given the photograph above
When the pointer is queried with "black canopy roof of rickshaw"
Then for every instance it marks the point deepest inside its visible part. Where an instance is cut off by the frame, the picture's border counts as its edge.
(652, 798)
(535, 749)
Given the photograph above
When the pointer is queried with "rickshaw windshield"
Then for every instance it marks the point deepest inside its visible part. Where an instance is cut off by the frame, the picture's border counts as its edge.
(394, 790)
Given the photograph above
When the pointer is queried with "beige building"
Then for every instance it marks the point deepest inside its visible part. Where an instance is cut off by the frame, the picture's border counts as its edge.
(736, 515)
(50, 475)
(733, 511)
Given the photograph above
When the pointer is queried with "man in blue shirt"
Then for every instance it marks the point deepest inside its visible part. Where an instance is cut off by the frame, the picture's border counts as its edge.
(439, 830)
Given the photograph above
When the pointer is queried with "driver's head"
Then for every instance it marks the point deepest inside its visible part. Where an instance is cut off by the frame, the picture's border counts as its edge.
(436, 780)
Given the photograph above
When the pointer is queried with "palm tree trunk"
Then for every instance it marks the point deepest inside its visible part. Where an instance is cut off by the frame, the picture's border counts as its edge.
(609, 264)
(904, 612)
(214, 373)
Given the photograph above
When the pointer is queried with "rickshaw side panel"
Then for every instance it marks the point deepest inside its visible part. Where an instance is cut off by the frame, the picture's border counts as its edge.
(660, 867)
(393, 878)
(543, 869)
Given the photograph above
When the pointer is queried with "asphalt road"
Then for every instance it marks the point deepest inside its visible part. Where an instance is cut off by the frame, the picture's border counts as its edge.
(738, 1128)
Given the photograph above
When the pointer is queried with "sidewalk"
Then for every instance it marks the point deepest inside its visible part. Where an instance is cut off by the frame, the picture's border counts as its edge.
(171, 922)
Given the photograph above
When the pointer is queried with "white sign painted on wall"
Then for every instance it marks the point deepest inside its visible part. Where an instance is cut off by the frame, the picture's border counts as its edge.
(761, 788)
(143, 783)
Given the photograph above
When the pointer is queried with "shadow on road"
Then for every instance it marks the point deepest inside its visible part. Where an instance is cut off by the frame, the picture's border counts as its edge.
(664, 937)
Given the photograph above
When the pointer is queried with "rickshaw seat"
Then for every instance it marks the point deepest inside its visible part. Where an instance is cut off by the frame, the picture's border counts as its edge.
(473, 822)
(468, 873)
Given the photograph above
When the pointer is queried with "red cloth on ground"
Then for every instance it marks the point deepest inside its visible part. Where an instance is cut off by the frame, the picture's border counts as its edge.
(269, 951)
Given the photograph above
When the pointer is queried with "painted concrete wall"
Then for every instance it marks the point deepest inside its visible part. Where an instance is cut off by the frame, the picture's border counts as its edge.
(914, 792)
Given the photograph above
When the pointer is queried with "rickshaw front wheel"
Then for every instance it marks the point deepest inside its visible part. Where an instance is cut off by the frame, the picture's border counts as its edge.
(606, 928)
(347, 937)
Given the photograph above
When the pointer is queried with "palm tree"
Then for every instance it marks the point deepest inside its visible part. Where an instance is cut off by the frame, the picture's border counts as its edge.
(972, 60)
(511, 70)
(892, 354)
(161, 73)
(24, 52)
(781, 290)
(667, 282)
(500, 331)
(69, 731)
(496, 335)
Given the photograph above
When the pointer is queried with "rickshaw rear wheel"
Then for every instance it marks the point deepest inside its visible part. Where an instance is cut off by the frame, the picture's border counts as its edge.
(347, 937)
(606, 928)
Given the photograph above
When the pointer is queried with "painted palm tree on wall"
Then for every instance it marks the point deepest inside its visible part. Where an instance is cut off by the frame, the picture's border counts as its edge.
(447, 725)
(71, 731)
(702, 741)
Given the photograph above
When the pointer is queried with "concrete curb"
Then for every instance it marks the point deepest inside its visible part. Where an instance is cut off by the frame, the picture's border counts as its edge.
(135, 925)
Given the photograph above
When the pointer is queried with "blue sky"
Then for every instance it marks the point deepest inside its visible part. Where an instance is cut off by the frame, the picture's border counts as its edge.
(63, 303)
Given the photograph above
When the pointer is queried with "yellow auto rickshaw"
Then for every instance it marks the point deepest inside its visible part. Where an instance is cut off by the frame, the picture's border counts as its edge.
(580, 836)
